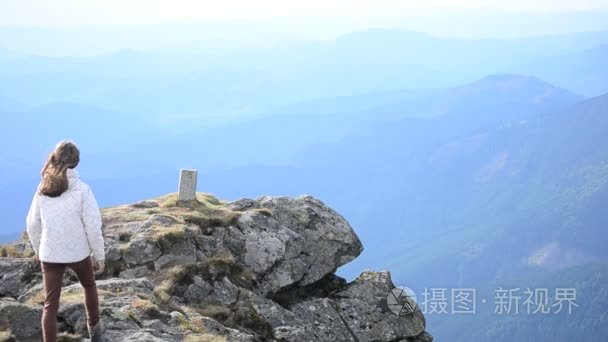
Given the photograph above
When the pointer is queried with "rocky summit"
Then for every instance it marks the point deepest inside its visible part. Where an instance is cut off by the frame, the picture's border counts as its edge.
(209, 270)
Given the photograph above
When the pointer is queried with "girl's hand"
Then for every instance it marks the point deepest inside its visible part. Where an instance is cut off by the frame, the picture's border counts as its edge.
(98, 265)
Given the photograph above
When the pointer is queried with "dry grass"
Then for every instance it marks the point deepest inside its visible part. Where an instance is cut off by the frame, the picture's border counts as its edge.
(123, 214)
(67, 337)
(193, 325)
(6, 336)
(166, 237)
(202, 200)
(218, 312)
(264, 211)
(236, 316)
(205, 204)
(205, 212)
(204, 338)
(146, 307)
(74, 296)
(10, 251)
(220, 218)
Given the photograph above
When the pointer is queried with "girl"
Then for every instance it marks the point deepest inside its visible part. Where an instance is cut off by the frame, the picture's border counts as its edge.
(64, 227)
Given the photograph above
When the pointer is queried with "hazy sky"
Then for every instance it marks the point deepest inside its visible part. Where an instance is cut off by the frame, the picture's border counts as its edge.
(54, 13)
(61, 26)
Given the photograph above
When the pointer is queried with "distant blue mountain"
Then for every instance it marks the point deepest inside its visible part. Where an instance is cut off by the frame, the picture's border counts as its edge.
(585, 72)
(116, 147)
(226, 85)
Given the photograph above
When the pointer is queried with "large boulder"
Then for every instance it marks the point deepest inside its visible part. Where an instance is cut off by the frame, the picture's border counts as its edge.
(281, 241)
(299, 243)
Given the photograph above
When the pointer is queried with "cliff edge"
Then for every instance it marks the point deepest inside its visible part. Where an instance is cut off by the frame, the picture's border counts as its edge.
(209, 270)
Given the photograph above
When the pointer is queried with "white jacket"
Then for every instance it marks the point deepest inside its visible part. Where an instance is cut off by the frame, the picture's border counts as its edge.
(66, 228)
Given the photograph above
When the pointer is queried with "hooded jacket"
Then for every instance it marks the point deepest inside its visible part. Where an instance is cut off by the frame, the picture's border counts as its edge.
(66, 228)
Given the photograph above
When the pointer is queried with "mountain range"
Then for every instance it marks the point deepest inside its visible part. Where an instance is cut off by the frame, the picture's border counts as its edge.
(496, 182)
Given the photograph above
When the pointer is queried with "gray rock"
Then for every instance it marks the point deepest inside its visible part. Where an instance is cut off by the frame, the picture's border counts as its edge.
(216, 292)
(136, 335)
(301, 242)
(140, 251)
(159, 220)
(424, 337)
(321, 317)
(18, 275)
(123, 291)
(140, 286)
(213, 327)
(182, 252)
(262, 249)
(31, 292)
(10, 270)
(176, 317)
(284, 323)
(113, 253)
(242, 204)
(23, 321)
(363, 307)
(74, 315)
(122, 321)
(136, 272)
(267, 275)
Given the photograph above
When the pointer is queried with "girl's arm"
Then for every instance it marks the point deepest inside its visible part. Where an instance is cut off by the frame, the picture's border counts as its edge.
(34, 223)
(91, 219)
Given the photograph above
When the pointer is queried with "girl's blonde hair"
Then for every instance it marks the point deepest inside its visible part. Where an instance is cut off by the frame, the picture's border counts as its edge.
(54, 173)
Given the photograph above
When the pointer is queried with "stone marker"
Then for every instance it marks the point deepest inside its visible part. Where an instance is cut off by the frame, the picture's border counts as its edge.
(187, 185)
